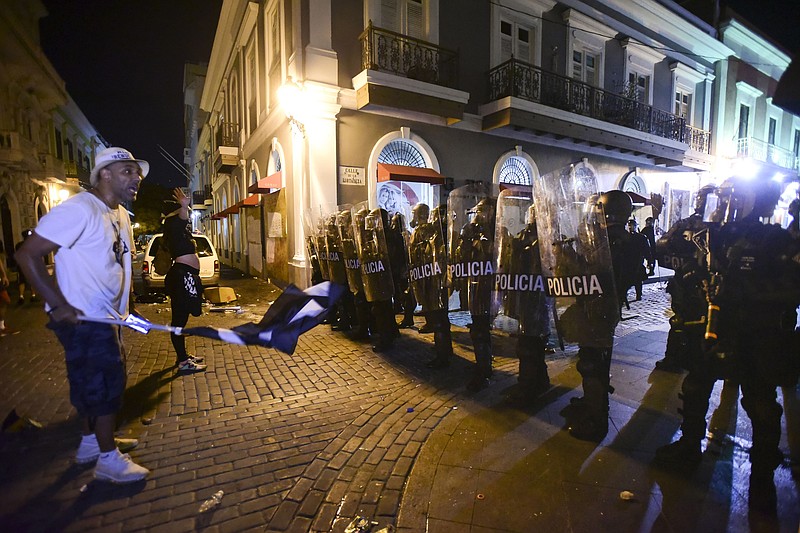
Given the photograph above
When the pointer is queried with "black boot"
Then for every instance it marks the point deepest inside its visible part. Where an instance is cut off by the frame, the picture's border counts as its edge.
(443, 345)
(592, 423)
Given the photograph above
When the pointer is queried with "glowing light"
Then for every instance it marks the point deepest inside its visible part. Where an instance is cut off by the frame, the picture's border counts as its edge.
(63, 194)
(290, 95)
(744, 168)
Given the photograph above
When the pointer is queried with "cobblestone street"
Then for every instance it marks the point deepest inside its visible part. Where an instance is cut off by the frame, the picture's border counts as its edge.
(298, 443)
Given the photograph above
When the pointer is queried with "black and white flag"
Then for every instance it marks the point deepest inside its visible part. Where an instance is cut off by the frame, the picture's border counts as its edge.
(292, 314)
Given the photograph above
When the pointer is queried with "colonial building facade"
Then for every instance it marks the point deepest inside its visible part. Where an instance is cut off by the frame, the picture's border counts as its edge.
(314, 103)
(47, 145)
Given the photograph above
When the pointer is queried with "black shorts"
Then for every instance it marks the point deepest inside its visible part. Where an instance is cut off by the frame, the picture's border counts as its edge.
(182, 284)
(95, 366)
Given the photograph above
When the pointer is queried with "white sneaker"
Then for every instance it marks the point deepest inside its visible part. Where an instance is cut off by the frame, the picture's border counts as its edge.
(89, 450)
(119, 468)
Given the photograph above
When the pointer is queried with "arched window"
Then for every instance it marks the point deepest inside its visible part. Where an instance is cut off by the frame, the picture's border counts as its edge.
(515, 167)
(515, 171)
(401, 152)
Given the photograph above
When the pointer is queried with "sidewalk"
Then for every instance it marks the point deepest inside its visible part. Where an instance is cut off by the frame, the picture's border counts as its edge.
(308, 442)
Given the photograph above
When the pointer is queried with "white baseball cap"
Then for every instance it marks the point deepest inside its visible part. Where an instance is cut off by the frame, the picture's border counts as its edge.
(115, 155)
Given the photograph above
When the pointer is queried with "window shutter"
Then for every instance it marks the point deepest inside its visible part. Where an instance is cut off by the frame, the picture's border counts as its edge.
(415, 19)
(523, 44)
(389, 18)
(506, 41)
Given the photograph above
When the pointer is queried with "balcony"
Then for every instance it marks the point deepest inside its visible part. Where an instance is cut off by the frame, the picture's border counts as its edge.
(202, 199)
(516, 79)
(18, 152)
(226, 156)
(766, 153)
(403, 72)
(53, 167)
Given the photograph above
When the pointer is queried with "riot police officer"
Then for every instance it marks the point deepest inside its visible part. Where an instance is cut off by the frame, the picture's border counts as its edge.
(345, 224)
(428, 279)
(397, 242)
(376, 273)
(677, 251)
(473, 264)
(343, 309)
(594, 358)
(750, 283)
(521, 304)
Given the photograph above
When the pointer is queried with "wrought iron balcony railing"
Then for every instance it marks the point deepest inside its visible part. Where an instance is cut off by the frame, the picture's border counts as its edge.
(228, 134)
(200, 197)
(766, 152)
(388, 51)
(528, 82)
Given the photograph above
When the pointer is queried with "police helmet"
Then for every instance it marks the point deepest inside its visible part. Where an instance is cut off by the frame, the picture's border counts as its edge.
(530, 214)
(747, 199)
(344, 218)
(481, 212)
(702, 196)
(617, 206)
(373, 219)
(420, 214)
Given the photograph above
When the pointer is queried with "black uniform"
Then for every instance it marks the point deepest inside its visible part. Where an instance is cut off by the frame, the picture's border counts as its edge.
(428, 279)
(474, 254)
(677, 251)
(376, 275)
(595, 317)
(519, 266)
(642, 247)
(344, 221)
(750, 282)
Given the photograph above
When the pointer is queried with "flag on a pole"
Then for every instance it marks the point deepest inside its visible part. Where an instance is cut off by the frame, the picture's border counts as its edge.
(292, 314)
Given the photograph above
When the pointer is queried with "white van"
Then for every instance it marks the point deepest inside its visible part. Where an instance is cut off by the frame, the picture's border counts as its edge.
(209, 262)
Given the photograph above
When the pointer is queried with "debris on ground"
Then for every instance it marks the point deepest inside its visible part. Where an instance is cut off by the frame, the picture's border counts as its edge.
(15, 423)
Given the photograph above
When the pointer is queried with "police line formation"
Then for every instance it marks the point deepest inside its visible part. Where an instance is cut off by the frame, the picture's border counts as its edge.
(554, 260)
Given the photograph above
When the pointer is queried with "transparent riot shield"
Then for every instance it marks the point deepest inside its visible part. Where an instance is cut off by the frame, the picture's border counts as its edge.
(344, 224)
(333, 245)
(576, 257)
(519, 299)
(315, 255)
(427, 255)
(376, 273)
(471, 225)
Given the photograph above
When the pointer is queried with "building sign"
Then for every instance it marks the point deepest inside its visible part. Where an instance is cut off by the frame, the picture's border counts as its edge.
(352, 176)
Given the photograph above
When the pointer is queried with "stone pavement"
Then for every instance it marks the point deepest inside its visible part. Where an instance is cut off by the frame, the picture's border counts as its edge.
(307, 442)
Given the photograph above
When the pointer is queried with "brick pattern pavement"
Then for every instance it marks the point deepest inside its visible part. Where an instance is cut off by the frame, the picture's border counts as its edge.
(298, 443)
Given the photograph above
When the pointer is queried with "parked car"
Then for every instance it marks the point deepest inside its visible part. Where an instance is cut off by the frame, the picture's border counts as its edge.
(209, 263)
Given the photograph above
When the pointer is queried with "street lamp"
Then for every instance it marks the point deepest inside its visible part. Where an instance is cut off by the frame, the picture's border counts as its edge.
(290, 95)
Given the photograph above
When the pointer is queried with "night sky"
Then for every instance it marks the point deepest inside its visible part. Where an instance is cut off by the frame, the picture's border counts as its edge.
(122, 61)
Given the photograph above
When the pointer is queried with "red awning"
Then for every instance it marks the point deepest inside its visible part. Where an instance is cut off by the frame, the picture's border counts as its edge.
(388, 172)
(230, 210)
(265, 185)
(250, 201)
(638, 199)
(217, 216)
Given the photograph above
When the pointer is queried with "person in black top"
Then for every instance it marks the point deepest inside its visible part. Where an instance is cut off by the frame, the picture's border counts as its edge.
(642, 249)
(649, 231)
(182, 283)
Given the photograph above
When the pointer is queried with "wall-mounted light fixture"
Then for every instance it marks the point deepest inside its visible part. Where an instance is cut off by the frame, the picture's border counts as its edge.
(290, 96)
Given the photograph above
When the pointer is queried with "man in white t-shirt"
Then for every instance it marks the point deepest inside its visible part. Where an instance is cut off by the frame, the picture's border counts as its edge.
(91, 236)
